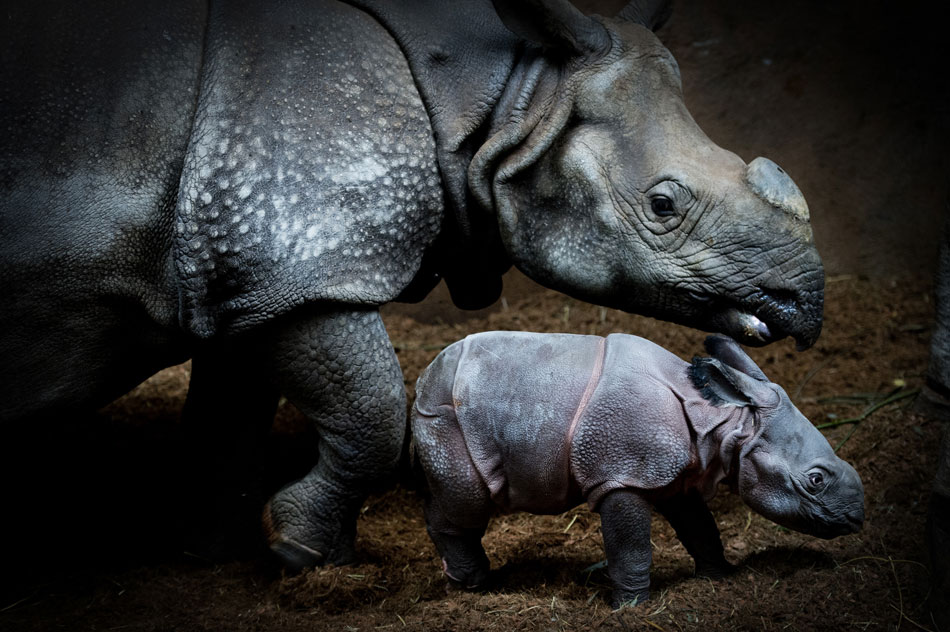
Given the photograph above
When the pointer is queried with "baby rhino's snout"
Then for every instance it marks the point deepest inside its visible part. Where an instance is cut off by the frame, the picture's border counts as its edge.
(848, 511)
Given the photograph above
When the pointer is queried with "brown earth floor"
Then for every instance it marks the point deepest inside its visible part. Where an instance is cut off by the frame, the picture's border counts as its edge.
(99, 535)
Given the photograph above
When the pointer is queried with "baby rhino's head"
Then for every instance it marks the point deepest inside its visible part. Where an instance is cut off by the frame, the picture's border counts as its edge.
(787, 471)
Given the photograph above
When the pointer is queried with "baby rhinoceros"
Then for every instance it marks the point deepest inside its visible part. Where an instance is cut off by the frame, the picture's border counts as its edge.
(540, 422)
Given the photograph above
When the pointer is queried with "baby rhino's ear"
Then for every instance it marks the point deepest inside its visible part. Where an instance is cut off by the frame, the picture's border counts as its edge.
(722, 385)
(728, 351)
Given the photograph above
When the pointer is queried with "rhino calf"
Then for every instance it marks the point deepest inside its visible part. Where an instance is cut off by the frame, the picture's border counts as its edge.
(540, 422)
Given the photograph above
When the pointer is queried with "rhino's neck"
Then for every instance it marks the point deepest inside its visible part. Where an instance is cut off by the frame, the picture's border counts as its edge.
(461, 57)
(720, 434)
(526, 119)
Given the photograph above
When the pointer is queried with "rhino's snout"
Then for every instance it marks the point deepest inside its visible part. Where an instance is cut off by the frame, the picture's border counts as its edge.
(771, 314)
(847, 508)
(848, 523)
(855, 519)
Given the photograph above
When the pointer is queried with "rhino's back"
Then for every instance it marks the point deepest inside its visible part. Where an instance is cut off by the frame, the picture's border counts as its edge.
(516, 395)
(311, 174)
(96, 104)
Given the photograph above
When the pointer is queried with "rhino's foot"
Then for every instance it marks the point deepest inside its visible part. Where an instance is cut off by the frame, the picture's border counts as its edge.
(300, 541)
(468, 577)
(296, 557)
(463, 558)
(622, 598)
(293, 556)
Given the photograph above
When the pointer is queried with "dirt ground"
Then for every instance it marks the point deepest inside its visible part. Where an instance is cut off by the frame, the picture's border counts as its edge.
(99, 529)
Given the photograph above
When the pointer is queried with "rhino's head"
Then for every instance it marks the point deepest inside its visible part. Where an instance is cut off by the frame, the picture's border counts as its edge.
(786, 470)
(605, 187)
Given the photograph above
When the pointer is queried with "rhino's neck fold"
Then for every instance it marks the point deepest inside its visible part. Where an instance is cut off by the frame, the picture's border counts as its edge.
(720, 435)
(512, 121)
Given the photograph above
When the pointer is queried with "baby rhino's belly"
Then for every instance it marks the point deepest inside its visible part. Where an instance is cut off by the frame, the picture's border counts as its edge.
(537, 480)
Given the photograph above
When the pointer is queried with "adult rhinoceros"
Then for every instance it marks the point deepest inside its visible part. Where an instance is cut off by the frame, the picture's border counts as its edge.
(245, 183)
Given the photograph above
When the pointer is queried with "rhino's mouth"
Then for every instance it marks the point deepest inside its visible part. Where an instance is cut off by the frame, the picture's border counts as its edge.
(766, 317)
(748, 328)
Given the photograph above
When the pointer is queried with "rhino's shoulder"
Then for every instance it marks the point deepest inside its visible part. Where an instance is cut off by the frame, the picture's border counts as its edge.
(633, 432)
(460, 55)
(311, 171)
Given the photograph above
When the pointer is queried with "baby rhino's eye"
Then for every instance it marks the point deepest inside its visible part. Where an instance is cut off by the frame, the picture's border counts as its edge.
(816, 480)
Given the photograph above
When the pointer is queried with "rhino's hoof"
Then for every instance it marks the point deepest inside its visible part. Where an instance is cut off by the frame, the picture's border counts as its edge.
(474, 580)
(293, 555)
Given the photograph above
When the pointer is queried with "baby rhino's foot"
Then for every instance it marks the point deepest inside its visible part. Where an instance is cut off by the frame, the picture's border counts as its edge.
(467, 578)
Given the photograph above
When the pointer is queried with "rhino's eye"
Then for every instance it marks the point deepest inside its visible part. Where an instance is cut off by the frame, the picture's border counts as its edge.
(816, 480)
(662, 206)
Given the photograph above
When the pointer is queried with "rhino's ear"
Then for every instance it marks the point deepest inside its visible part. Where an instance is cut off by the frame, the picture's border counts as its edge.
(649, 13)
(728, 351)
(722, 385)
(555, 24)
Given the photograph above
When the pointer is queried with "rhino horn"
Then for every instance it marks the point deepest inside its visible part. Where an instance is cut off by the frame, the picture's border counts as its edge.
(772, 184)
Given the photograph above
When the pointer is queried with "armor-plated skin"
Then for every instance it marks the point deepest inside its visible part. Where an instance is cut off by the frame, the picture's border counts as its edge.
(514, 421)
(245, 183)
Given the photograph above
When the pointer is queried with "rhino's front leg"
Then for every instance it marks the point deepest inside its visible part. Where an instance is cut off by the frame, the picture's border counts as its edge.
(625, 522)
(340, 370)
(696, 528)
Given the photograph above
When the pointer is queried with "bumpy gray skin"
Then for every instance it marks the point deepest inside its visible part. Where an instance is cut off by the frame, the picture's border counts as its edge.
(515, 421)
(240, 182)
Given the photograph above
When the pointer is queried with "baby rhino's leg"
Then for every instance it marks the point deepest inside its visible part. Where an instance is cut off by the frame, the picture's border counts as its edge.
(696, 528)
(458, 504)
(463, 557)
(625, 523)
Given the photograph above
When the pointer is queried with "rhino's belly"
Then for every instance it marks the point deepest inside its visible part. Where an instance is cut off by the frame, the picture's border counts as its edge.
(311, 174)
(517, 397)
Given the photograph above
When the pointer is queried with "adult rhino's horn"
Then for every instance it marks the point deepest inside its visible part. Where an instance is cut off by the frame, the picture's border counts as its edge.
(772, 184)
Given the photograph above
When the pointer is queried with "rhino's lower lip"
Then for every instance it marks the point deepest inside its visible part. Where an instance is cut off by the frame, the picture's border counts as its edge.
(755, 321)
(747, 327)
(753, 327)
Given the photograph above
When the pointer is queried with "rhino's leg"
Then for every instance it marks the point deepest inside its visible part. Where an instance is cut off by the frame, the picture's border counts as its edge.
(340, 370)
(458, 503)
(227, 414)
(460, 547)
(696, 528)
(625, 522)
